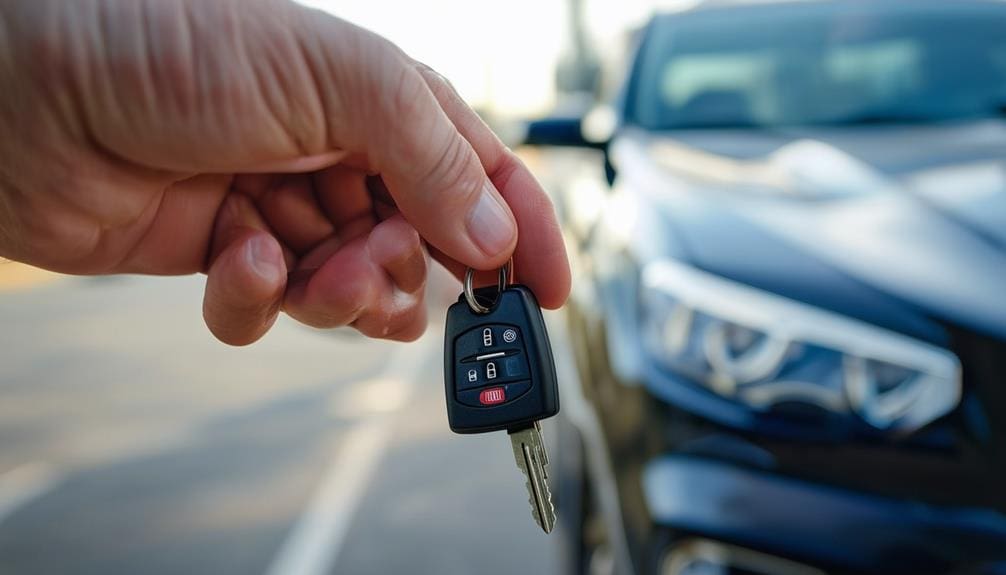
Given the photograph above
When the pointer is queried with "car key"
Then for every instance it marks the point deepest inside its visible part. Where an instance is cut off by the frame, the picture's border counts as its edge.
(499, 374)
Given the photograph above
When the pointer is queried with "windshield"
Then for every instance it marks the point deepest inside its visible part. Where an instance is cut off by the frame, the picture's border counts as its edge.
(807, 64)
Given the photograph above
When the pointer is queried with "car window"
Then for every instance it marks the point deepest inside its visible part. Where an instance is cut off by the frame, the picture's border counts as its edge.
(692, 83)
(798, 64)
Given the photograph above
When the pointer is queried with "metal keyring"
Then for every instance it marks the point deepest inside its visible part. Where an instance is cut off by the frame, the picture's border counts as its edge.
(470, 293)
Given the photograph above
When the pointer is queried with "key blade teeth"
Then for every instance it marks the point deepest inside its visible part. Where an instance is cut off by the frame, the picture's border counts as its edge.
(531, 457)
(545, 517)
(547, 523)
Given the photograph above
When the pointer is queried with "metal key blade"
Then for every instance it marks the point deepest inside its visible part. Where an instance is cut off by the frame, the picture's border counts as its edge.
(529, 451)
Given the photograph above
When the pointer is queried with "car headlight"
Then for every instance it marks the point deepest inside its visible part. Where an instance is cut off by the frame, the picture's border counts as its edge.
(763, 351)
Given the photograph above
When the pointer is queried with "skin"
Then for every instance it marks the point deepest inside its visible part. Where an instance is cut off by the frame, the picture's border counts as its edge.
(304, 164)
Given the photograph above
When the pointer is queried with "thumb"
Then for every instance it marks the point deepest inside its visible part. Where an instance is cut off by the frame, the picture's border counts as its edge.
(445, 194)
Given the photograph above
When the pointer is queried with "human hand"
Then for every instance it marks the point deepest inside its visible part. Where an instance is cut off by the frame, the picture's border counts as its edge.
(303, 163)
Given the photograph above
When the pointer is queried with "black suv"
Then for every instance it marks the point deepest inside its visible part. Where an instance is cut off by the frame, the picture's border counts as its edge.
(789, 315)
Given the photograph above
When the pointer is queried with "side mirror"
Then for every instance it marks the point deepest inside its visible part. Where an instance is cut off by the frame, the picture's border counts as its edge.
(592, 130)
(556, 131)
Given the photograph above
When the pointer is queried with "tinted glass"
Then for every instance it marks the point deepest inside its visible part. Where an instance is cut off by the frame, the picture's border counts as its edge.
(823, 64)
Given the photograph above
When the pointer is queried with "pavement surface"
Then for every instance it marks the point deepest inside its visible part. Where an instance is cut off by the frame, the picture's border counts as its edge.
(133, 442)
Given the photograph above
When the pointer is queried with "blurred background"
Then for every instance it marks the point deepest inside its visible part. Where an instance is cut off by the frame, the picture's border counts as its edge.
(785, 353)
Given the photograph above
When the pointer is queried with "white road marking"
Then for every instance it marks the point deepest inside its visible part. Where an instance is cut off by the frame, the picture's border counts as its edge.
(313, 545)
(24, 484)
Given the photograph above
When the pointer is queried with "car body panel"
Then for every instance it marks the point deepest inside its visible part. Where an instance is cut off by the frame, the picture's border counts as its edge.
(898, 225)
(846, 529)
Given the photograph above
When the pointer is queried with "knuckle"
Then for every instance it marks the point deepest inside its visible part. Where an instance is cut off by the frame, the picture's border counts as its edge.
(327, 318)
(342, 310)
(452, 171)
(407, 104)
(439, 83)
(409, 333)
(403, 324)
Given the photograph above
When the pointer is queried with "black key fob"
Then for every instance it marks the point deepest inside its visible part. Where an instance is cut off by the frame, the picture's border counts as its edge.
(498, 366)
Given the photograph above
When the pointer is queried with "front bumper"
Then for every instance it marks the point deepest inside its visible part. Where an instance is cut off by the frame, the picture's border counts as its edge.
(822, 525)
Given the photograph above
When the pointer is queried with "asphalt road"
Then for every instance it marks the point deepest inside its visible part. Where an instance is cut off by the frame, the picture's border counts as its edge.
(132, 442)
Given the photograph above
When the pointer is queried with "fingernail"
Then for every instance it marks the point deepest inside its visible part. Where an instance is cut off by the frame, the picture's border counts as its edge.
(264, 257)
(489, 224)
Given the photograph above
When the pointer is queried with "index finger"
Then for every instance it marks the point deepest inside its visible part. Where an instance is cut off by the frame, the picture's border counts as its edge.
(540, 256)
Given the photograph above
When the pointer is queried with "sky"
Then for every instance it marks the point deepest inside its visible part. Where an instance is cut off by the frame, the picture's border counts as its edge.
(499, 55)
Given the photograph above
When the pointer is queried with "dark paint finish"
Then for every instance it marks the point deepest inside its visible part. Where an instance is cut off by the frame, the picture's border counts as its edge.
(901, 226)
(861, 532)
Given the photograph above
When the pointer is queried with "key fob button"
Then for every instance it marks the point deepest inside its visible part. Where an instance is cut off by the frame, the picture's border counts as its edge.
(494, 395)
(495, 371)
(515, 366)
(469, 376)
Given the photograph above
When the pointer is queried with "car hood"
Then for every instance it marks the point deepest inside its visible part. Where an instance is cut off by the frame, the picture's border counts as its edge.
(958, 168)
(917, 213)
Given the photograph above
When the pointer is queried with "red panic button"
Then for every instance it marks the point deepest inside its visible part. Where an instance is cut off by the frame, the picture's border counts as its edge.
(492, 396)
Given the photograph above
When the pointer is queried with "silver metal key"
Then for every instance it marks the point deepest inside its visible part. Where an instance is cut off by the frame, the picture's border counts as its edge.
(532, 459)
